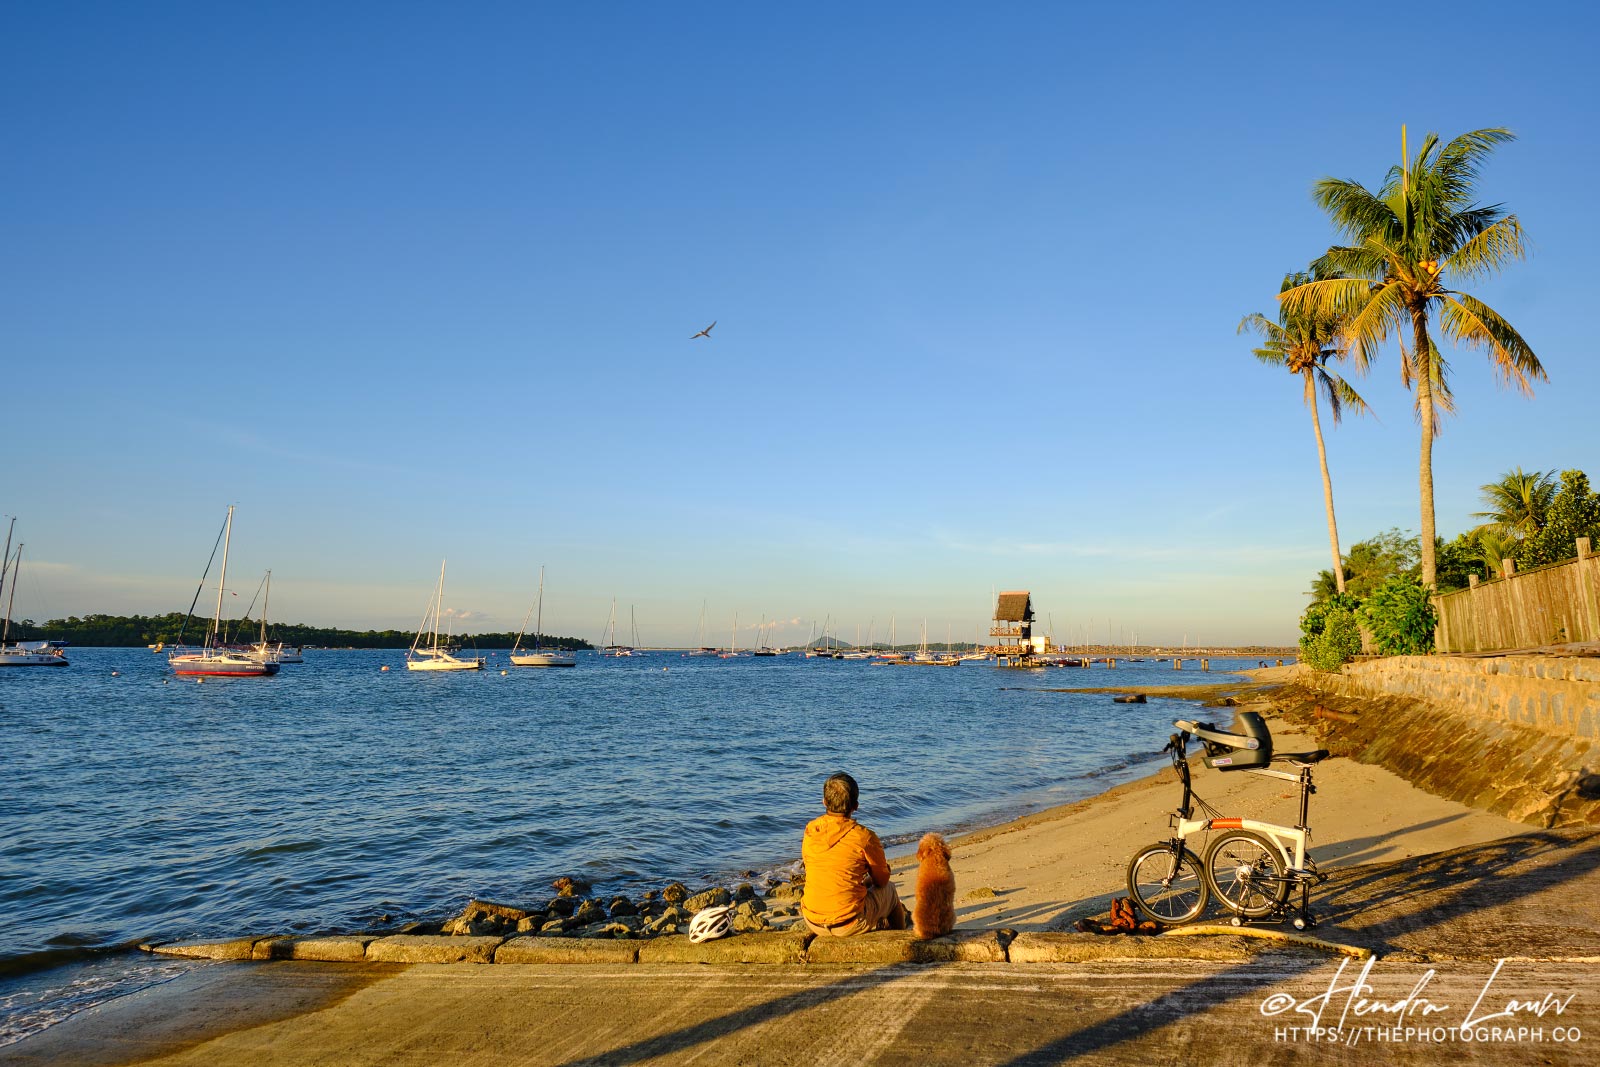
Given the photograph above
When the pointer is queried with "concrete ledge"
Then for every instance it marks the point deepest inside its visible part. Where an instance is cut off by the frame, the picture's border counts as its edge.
(901, 946)
(239, 948)
(566, 950)
(416, 948)
(964, 946)
(782, 947)
(320, 949)
(1085, 948)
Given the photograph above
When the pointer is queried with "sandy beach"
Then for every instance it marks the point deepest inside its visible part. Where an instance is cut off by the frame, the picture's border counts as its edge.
(1044, 871)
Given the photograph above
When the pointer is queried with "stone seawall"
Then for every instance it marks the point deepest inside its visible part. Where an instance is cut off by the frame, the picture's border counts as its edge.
(1515, 735)
(1556, 695)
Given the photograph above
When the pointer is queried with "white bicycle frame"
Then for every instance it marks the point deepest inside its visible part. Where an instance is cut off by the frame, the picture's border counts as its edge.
(1283, 837)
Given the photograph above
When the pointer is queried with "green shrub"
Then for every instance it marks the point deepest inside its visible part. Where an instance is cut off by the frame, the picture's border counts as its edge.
(1316, 616)
(1400, 617)
(1330, 635)
(1574, 512)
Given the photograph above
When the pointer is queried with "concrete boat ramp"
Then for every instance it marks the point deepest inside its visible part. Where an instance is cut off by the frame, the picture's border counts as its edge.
(1486, 954)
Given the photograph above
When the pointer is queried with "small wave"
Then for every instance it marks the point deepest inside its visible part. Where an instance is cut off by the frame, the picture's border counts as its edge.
(30, 1005)
(282, 848)
(44, 959)
(1119, 763)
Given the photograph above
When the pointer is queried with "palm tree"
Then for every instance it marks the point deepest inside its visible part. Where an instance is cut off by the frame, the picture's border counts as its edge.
(1495, 545)
(1418, 231)
(1302, 342)
(1517, 503)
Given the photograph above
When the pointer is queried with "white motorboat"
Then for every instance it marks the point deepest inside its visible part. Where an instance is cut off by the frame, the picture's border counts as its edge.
(433, 656)
(210, 659)
(536, 656)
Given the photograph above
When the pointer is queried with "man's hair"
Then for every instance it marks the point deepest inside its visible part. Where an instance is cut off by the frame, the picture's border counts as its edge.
(840, 793)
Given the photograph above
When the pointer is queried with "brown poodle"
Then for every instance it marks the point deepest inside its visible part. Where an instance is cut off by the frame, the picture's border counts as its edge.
(934, 914)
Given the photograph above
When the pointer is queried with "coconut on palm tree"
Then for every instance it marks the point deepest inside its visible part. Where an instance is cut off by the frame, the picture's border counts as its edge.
(1303, 341)
(1412, 242)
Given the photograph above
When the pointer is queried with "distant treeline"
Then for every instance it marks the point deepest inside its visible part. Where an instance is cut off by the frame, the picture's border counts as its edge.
(132, 631)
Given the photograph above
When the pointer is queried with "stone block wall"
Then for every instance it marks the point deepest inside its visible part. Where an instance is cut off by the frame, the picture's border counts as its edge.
(1515, 735)
(1556, 695)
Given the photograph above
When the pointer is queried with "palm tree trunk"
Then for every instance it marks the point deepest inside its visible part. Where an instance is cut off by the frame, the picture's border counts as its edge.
(1423, 354)
(1327, 483)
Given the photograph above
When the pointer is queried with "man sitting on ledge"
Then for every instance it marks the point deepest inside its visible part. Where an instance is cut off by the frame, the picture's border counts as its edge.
(847, 876)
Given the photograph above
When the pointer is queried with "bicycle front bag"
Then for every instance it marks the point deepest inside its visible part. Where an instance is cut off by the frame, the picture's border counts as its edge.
(1236, 752)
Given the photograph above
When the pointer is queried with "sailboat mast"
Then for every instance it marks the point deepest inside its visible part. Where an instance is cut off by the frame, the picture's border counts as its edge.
(438, 604)
(266, 602)
(10, 600)
(222, 579)
(538, 626)
(5, 562)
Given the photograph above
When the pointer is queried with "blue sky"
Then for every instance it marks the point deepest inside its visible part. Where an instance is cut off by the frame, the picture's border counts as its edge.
(414, 281)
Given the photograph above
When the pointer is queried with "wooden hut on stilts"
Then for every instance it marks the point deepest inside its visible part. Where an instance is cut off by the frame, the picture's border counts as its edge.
(1013, 630)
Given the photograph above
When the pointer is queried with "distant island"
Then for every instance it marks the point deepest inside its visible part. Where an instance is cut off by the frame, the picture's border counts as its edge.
(134, 631)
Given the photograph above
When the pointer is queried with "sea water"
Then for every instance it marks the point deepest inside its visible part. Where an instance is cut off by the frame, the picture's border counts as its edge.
(338, 796)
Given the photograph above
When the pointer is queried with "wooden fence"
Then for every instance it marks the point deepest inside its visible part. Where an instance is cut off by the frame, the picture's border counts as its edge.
(1559, 604)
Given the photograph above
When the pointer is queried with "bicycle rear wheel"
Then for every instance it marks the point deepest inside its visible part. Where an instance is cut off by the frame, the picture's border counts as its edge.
(1166, 883)
(1246, 873)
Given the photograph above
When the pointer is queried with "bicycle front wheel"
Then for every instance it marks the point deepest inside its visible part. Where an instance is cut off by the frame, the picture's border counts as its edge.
(1246, 873)
(1166, 884)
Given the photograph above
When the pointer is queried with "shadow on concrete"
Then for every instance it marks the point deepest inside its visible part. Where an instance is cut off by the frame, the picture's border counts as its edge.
(1408, 896)
(1178, 1004)
(756, 1014)
(1383, 902)
(1365, 849)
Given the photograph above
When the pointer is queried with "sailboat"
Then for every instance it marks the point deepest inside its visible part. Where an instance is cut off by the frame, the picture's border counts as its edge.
(433, 657)
(536, 656)
(703, 649)
(762, 648)
(261, 649)
(23, 653)
(733, 641)
(893, 655)
(212, 659)
(611, 647)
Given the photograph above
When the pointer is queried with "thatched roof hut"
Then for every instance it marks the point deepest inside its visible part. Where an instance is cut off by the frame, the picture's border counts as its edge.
(1015, 606)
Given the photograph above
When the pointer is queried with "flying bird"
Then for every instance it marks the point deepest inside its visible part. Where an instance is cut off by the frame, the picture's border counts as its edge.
(706, 333)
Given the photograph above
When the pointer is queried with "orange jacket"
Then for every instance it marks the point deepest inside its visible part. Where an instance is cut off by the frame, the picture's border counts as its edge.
(841, 856)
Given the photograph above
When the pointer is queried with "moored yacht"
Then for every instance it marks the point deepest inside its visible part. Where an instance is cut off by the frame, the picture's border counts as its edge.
(536, 656)
(23, 653)
(434, 656)
(212, 659)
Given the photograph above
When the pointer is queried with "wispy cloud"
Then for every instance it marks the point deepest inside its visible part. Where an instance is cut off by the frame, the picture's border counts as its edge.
(1133, 553)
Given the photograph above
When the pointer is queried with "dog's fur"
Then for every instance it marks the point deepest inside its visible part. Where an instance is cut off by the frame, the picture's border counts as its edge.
(935, 912)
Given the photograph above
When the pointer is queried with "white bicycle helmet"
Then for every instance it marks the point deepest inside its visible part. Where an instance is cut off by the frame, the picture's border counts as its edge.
(711, 923)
